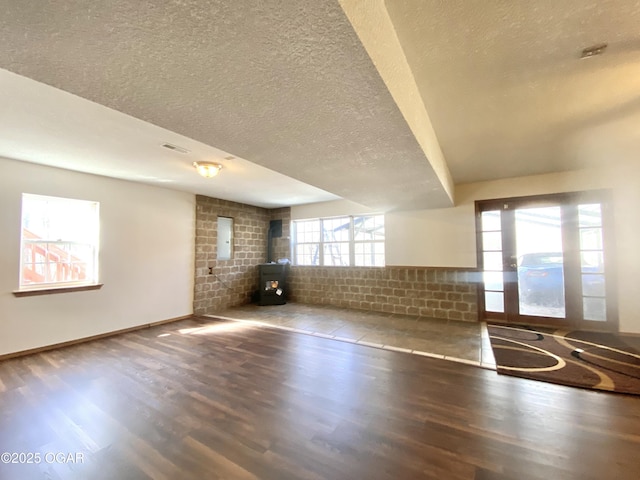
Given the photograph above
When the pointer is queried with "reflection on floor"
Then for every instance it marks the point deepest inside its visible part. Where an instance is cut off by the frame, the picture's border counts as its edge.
(464, 342)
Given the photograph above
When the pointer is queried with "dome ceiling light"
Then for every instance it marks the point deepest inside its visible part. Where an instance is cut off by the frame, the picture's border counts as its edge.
(207, 169)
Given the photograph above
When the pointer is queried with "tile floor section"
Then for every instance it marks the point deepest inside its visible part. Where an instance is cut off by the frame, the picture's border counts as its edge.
(465, 342)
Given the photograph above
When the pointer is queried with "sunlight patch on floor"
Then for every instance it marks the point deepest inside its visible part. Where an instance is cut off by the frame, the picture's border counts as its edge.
(215, 328)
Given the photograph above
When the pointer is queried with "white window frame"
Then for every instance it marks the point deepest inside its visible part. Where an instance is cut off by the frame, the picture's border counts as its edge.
(321, 242)
(42, 247)
(317, 243)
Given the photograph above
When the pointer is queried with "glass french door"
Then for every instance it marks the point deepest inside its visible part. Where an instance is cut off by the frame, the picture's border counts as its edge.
(544, 261)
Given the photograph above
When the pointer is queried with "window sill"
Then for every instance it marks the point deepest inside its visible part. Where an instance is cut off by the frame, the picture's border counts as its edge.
(52, 290)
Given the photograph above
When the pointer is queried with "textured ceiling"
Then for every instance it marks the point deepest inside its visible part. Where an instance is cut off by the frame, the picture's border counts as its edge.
(506, 91)
(283, 84)
(45, 125)
(350, 102)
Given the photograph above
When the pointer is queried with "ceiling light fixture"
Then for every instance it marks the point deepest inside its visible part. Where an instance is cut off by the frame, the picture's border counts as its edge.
(593, 50)
(207, 169)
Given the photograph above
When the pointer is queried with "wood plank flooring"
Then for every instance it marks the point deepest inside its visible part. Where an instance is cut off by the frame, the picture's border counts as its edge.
(201, 399)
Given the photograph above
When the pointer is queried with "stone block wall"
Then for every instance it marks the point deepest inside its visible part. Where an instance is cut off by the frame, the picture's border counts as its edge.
(231, 282)
(430, 292)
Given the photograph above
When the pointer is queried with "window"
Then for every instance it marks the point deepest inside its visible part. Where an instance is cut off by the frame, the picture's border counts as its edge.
(59, 242)
(339, 241)
(368, 234)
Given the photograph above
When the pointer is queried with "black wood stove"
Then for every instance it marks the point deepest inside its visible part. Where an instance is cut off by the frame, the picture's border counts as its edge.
(272, 287)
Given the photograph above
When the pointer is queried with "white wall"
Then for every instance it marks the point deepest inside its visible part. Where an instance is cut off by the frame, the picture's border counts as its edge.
(146, 258)
(334, 208)
(446, 237)
(442, 237)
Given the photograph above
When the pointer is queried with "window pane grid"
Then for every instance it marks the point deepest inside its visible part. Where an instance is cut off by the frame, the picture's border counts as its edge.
(340, 241)
(491, 221)
(336, 254)
(594, 302)
(308, 231)
(336, 229)
(369, 228)
(369, 254)
(491, 227)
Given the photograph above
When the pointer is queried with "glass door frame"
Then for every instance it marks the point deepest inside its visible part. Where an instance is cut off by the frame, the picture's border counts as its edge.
(568, 202)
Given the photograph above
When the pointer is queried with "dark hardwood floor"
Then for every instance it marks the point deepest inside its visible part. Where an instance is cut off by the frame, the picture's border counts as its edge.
(201, 399)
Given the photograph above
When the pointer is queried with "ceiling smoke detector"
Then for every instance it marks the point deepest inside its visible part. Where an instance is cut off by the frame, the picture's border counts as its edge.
(593, 50)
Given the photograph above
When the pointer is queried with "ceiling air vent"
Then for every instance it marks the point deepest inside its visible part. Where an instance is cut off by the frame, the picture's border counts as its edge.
(175, 148)
(593, 50)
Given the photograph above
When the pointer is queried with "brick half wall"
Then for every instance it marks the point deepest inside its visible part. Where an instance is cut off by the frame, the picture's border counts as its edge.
(424, 291)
